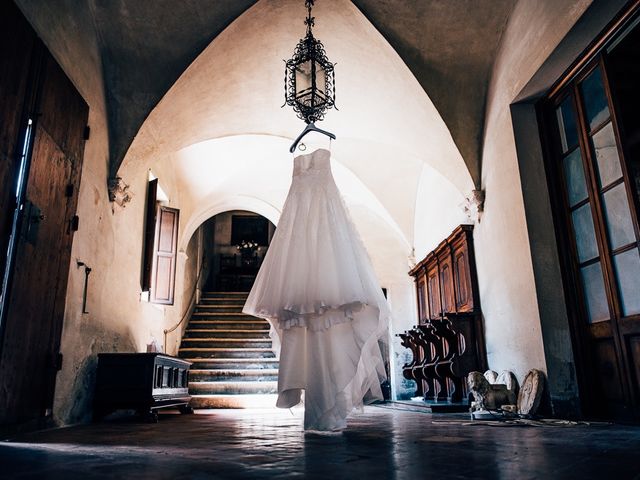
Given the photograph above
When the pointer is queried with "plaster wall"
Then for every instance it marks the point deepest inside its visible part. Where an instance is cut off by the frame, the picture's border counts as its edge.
(438, 211)
(505, 272)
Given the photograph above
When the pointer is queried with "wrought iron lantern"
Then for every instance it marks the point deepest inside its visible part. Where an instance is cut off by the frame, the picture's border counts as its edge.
(309, 76)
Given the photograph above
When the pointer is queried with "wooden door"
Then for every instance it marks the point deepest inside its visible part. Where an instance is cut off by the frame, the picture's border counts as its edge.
(17, 41)
(34, 307)
(599, 237)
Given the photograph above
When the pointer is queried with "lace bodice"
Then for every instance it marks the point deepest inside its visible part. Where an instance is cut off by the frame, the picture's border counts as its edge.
(314, 164)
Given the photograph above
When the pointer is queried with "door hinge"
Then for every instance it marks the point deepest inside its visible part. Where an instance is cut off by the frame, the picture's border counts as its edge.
(87, 132)
(75, 223)
(58, 362)
(69, 190)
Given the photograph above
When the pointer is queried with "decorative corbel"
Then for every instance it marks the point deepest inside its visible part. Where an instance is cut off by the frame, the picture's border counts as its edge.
(119, 192)
(473, 205)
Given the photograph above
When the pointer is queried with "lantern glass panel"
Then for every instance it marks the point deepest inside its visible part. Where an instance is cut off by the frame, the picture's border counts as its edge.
(303, 78)
(305, 93)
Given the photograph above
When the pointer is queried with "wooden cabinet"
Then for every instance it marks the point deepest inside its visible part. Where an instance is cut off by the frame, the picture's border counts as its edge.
(448, 342)
(141, 381)
(449, 277)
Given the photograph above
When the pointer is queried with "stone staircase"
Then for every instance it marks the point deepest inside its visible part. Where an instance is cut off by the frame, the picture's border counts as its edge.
(233, 364)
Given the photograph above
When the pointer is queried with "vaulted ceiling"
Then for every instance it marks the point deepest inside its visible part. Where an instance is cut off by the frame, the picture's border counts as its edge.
(145, 45)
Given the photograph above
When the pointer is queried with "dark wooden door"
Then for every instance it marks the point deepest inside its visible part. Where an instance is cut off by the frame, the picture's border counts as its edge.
(600, 236)
(17, 41)
(34, 306)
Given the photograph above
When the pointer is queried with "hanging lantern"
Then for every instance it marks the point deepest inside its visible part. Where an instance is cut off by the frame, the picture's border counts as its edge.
(309, 76)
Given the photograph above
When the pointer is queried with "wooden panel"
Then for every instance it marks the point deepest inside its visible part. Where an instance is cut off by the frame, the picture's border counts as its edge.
(165, 248)
(446, 280)
(633, 349)
(463, 281)
(17, 41)
(37, 295)
(607, 370)
(421, 286)
(433, 291)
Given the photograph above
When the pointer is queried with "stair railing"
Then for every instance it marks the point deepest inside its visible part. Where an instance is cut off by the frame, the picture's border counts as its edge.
(188, 311)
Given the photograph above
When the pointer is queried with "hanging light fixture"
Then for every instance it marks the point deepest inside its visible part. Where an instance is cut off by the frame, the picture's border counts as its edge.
(309, 76)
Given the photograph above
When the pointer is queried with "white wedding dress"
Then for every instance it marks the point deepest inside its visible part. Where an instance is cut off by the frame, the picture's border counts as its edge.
(318, 290)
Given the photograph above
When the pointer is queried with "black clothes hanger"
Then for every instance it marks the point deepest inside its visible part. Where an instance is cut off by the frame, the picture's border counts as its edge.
(310, 128)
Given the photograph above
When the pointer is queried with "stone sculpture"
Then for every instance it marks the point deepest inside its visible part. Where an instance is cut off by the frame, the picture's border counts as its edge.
(488, 396)
(531, 393)
(491, 376)
(503, 392)
(509, 379)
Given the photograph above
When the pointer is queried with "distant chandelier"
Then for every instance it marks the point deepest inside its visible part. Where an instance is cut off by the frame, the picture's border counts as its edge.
(309, 77)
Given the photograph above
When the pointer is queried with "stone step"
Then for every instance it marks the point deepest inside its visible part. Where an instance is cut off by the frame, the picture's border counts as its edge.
(222, 308)
(222, 301)
(232, 388)
(234, 299)
(228, 325)
(217, 296)
(235, 375)
(212, 315)
(225, 343)
(234, 401)
(226, 352)
(219, 308)
(228, 333)
(202, 363)
(215, 293)
(232, 302)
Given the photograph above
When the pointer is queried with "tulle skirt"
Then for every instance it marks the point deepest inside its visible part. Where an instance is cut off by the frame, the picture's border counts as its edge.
(319, 292)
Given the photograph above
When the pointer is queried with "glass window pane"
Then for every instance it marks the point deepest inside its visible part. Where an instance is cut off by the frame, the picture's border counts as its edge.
(618, 217)
(627, 267)
(595, 100)
(594, 294)
(604, 144)
(567, 124)
(574, 174)
(585, 234)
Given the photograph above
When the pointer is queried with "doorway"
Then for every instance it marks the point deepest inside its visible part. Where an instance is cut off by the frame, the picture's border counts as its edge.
(235, 243)
(592, 136)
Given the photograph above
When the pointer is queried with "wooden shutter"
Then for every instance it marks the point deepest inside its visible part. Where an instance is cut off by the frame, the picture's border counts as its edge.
(165, 249)
(149, 234)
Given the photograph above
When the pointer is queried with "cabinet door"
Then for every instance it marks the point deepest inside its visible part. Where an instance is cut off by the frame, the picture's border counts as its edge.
(446, 281)
(421, 288)
(433, 291)
(462, 277)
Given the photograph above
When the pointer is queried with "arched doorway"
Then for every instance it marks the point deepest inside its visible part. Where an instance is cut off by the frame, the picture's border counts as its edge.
(235, 243)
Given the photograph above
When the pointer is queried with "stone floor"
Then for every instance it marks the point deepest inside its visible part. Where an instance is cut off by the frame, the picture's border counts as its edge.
(380, 443)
